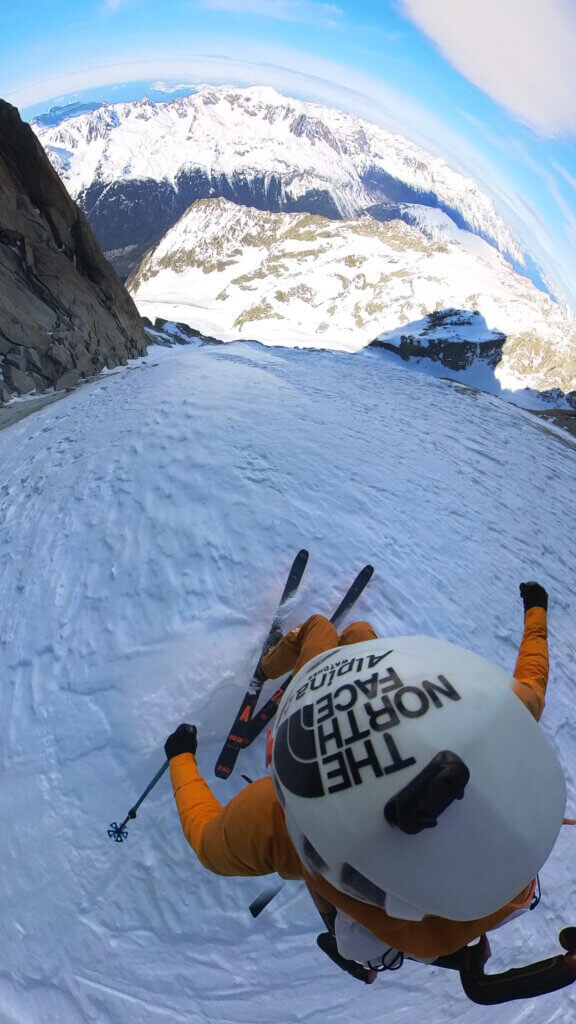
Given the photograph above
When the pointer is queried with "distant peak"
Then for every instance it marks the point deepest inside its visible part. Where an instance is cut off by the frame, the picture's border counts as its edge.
(264, 94)
(55, 115)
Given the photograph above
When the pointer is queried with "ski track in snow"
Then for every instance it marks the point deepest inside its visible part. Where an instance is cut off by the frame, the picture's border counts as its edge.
(146, 525)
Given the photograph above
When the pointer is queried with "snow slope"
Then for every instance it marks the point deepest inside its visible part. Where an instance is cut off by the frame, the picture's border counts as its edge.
(297, 279)
(146, 524)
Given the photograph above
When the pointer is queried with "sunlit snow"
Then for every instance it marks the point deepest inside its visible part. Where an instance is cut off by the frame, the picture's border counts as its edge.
(298, 280)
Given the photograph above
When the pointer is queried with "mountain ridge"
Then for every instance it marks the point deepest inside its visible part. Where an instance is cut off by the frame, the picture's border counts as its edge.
(257, 148)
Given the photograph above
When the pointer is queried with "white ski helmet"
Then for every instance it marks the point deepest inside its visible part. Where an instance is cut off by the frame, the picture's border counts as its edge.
(413, 778)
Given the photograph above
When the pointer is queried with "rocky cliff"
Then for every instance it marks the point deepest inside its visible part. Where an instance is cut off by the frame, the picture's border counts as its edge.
(63, 312)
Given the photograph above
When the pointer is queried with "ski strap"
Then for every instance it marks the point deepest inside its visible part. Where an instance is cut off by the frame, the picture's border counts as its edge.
(327, 944)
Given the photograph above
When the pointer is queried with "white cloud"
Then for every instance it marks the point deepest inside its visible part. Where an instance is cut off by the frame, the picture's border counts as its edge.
(170, 87)
(281, 10)
(565, 174)
(110, 6)
(296, 73)
(522, 53)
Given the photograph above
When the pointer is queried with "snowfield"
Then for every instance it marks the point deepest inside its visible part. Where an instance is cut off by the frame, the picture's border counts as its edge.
(147, 522)
(235, 273)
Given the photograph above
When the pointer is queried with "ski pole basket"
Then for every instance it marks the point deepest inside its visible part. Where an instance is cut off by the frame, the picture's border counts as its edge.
(118, 832)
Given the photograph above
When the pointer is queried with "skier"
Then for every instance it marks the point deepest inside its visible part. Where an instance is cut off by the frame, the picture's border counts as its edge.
(374, 742)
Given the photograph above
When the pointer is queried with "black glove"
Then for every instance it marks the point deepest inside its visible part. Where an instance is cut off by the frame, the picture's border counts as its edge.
(533, 596)
(183, 741)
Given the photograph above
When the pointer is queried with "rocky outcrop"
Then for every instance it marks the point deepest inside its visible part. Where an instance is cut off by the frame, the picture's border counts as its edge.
(63, 312)
(541, 358)
(454, 355)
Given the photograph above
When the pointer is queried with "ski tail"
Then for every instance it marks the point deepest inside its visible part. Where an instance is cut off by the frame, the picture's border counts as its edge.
(236, 737)
(262, 718)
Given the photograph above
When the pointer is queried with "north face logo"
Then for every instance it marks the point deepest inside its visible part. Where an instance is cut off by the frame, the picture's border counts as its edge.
(295, 756)
(349, 734)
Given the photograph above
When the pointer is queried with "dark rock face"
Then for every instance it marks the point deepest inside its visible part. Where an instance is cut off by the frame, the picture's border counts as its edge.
(313, 128)
(433, 341)
(138, 213)
(454, 355)
(63, 312)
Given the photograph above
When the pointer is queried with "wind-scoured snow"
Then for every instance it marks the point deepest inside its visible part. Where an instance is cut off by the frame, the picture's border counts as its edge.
(259, 133)
(147, 522)
(303, 280)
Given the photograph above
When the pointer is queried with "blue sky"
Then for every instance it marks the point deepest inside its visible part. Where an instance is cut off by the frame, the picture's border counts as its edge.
(493, 92)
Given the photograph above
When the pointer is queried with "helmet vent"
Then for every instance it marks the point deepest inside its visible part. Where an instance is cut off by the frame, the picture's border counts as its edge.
(312, 857)
(360, 887)
(426, 797)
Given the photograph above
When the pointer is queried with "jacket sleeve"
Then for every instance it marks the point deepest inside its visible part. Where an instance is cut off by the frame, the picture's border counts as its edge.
(299, 646)
(531, 671)
(246, 837)
(283, 657)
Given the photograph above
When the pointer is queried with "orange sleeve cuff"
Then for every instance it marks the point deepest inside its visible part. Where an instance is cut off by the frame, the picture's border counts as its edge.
(531, 670)
(194, 799)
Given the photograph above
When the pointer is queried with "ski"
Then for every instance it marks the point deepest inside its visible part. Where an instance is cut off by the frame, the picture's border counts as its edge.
(268, 710)
(236, 737)
(352, 594)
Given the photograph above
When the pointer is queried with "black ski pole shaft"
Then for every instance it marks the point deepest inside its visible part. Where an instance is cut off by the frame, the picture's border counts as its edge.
(118, 832)
(262, 901)
(265, 897)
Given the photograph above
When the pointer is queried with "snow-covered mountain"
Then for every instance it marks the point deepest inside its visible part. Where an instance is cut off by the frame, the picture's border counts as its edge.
(304, 280)
(148, 521)
(135, 167)
(424, 237)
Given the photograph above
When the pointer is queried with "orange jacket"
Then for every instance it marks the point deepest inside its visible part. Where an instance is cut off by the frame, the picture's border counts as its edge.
(249, 837)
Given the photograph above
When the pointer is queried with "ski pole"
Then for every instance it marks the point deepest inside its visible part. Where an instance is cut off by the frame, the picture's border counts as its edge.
(262, 901)
(266, 897)
(118, 832)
